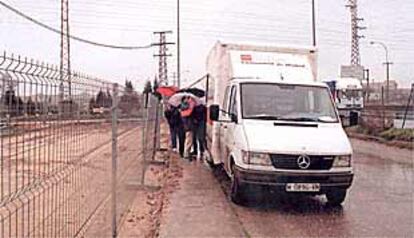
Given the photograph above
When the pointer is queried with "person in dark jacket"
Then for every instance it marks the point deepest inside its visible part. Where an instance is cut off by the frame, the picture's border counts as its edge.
(176, 125)
(186, 109)
(199, 119)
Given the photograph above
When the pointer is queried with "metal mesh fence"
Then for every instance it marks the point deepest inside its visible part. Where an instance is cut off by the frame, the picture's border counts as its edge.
(59, 139)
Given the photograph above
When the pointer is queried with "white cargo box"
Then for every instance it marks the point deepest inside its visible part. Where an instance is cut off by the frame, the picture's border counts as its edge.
(271, 63)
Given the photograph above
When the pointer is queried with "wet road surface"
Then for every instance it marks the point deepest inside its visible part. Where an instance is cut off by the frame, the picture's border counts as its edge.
(379, 203)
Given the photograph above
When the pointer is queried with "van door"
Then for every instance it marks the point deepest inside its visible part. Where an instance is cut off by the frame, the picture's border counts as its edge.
(223, 125)
(230, 126)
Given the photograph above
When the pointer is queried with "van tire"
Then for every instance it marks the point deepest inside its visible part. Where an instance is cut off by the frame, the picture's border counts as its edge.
(237, 190)
(211, 163)
(336, 197)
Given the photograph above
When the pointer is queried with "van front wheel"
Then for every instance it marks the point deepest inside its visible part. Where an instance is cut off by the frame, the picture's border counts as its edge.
(237, 190)
(336, 197)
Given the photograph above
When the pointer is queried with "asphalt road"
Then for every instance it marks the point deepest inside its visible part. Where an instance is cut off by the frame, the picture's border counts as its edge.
(379, 204)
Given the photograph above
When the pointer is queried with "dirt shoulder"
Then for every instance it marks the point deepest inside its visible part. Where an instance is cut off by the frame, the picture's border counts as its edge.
(143, 219)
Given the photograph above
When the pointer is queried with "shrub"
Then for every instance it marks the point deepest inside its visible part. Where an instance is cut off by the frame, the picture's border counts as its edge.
(398, 134)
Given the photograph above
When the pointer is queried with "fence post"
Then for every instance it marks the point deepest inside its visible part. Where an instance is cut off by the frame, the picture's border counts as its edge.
(160, 115)
(382, 108)
(114, 157)
(156, 129)
(408, 106)
(144, 137)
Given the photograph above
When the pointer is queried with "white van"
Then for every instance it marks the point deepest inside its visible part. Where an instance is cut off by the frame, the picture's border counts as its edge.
(274, 125)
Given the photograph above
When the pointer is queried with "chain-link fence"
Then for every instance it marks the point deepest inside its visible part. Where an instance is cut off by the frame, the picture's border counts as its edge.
(69, 146)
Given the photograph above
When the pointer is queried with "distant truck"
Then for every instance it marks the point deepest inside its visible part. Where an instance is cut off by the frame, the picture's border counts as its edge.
(274, 124)
(348, 96)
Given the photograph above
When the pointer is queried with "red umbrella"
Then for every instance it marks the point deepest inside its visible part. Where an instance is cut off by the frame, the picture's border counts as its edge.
(167, 91)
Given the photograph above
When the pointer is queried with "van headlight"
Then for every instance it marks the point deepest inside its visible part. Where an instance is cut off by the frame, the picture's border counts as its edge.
(342, 161)
(256, 158)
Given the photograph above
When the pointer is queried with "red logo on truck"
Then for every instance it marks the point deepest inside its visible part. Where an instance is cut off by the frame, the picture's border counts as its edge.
(246, 58)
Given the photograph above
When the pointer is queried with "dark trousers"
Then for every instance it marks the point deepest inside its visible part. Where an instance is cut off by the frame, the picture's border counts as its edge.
(177, 132)
(199, 138)
(181, 140)
(173, 135)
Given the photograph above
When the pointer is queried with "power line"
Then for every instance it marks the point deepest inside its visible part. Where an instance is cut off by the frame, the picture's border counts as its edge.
(71, 36)
(326, 35)
(236, 15)
(326, 31)
(191, 20)
(123, 14)
(169, 6)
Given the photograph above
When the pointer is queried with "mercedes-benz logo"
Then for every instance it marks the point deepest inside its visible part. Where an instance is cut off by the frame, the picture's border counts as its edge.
(303, 161)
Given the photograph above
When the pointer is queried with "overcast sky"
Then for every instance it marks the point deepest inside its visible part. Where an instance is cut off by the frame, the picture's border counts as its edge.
(131, 22)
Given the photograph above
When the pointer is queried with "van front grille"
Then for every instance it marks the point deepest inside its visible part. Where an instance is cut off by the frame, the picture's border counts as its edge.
(280, 161)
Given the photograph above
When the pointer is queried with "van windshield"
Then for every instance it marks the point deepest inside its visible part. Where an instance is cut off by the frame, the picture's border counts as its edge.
(271, 101)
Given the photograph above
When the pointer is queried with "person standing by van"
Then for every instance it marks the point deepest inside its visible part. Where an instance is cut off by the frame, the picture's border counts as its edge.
(199, 118)
(186, 109)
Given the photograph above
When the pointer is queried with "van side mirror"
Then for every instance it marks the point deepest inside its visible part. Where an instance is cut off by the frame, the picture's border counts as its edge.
(353, 118)
(214, 112)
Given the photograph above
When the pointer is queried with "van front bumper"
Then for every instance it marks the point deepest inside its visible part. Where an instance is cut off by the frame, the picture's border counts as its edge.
(327, 181)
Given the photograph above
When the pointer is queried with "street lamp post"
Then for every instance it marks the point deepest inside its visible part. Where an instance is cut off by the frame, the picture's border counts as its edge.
(387, 67)
(313, 24)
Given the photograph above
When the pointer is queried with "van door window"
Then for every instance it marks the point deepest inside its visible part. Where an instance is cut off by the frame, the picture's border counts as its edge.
(225, 99)
(233, 101)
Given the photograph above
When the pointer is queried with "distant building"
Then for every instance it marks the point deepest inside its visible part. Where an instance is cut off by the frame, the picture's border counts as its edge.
(396, 95)
(378, 85)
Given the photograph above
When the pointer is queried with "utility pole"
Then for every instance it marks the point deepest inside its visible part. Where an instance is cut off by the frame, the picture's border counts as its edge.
(162, 55)
(367, 87)
(178, 45)
(65, 49)
(387, 68)
(174, 83)
(313, 24)
(355, 56)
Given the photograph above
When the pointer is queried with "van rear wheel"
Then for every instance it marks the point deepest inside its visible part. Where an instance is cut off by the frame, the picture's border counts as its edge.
(336, 197)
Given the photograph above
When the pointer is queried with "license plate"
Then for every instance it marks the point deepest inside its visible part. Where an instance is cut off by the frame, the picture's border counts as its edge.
(303, 187)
